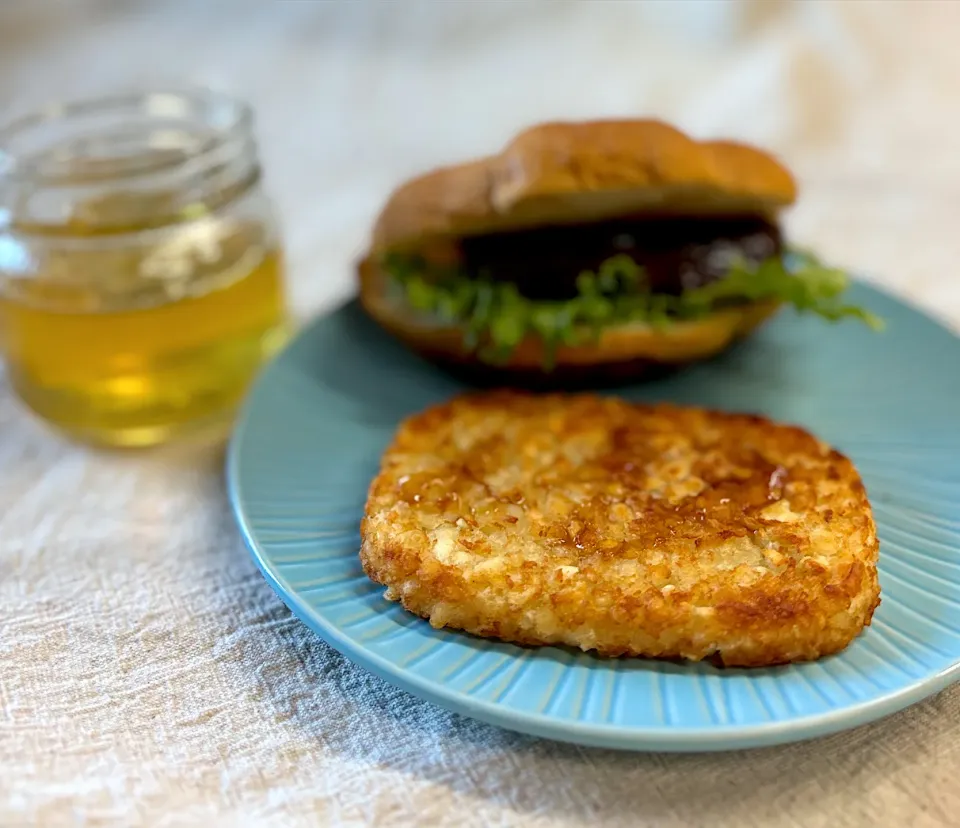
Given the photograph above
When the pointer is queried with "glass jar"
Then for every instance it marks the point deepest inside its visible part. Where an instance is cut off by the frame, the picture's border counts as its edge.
(141, 280)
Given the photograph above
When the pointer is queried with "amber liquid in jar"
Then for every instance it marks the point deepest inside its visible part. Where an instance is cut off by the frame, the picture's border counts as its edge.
(137, 319)
(133, 367)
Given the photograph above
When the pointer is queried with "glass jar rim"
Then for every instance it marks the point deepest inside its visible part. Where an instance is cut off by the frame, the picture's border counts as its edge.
(225, 117)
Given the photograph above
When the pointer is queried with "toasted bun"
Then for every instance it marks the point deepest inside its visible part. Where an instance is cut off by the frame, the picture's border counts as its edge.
(563, 173)
(624, 529)
(574, 173)
(620, 353)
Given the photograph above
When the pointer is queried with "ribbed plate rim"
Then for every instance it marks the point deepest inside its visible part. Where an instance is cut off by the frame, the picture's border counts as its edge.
(717, 737)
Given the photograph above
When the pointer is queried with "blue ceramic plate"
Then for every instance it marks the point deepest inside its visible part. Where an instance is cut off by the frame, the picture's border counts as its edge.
(313, 430)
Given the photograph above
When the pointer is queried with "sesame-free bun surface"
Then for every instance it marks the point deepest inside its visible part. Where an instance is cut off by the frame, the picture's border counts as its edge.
(624, 529)
(562, 173)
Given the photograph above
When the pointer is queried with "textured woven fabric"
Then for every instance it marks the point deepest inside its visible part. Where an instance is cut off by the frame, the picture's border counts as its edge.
(148, 675)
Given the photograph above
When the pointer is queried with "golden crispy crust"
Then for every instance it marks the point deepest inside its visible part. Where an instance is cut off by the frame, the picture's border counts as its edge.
(625, 529)
(633, 346)
(581, 172)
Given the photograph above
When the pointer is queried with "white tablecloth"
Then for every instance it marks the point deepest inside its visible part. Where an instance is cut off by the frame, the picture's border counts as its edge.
(148, 675)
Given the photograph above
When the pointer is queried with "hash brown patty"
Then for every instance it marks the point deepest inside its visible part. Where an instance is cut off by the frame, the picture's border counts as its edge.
(622, 528)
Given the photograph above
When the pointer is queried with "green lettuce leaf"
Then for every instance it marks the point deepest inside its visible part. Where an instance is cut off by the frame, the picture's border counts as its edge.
(497, 317)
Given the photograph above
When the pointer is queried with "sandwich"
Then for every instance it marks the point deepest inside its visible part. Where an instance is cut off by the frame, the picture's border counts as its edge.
(592, 249)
